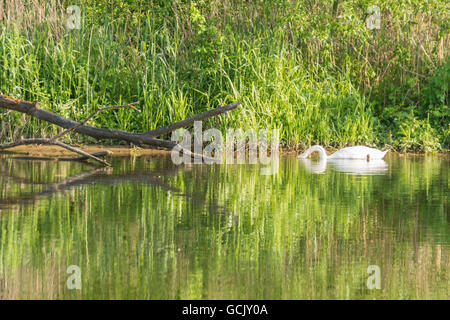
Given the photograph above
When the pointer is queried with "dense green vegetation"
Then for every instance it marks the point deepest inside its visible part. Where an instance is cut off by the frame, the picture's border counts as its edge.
(310, 68)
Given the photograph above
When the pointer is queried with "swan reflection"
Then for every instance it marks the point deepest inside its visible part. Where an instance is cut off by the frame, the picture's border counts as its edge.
(348, 166)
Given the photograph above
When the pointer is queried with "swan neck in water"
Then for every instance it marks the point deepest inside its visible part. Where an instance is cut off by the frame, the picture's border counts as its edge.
(319, 149)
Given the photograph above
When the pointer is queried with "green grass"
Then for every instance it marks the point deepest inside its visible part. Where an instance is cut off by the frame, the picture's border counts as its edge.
(312, 70)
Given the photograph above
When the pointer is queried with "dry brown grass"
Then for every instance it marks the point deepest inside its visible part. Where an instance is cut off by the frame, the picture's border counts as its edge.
(27, 15)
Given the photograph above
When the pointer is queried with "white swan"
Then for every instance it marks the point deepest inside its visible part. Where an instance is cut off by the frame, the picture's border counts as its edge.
(356, 152)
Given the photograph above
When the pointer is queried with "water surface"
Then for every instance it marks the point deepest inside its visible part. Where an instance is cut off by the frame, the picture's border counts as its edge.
(147, 229)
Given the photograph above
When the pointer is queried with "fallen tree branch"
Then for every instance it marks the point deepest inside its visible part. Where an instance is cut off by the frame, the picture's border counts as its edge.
(98, 154)
(147, 138)
(131, 105)
(190, 121)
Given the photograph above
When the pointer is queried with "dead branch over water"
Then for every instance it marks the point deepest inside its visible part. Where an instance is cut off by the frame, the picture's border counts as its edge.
(141, 139)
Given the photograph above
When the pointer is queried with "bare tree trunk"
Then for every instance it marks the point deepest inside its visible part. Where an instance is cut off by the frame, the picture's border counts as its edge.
(146, 138)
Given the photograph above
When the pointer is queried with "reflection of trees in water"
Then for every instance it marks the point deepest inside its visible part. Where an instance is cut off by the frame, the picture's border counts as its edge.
(100, 176)
(291, 235)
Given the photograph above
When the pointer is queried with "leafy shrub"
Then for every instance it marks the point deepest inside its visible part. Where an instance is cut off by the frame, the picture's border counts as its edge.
(417, 135)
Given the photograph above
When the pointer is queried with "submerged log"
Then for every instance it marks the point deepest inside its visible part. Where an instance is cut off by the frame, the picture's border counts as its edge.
(44, 141)
(99, 154)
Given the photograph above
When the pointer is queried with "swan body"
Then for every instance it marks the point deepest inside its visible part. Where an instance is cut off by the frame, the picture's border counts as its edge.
(355, 153)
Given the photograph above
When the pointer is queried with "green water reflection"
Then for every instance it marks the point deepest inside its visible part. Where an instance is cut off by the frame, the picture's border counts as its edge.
(148, 229)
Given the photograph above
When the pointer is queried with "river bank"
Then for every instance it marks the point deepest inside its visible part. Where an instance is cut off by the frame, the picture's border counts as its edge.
(119, 151)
